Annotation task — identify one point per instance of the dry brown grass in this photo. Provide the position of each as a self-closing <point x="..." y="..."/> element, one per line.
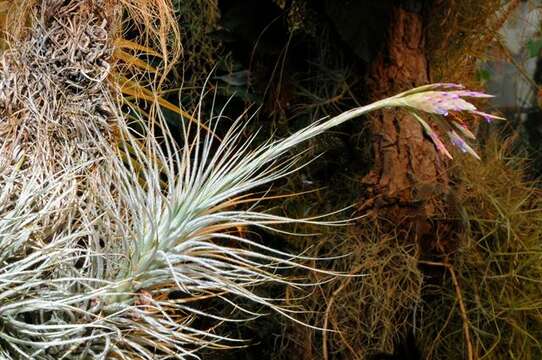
<point x="498" y="266"/>
<point x="368" y="311"/>
<point x="459" y="34"/>
<point x="374" y="310"/>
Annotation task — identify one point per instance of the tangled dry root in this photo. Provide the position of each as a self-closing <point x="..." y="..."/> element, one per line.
<point x="53" y="89"/>
<point x="56" y="110"/>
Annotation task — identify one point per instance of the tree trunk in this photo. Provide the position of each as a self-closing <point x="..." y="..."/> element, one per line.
<point x="408" y="181"/>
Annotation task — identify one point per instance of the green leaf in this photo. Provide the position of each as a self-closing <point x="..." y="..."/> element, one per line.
<point x="483" y="75"/>
<point x="534" y="46"/>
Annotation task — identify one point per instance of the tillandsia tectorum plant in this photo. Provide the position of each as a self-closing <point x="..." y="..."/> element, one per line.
<point x="110" y="235"/>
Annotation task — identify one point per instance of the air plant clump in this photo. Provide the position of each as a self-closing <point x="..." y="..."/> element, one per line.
<point x="110" y="235"/>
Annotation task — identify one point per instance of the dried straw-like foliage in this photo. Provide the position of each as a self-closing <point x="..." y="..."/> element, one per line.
<point x="498" y="268"/>
<point x="55" y="113"/>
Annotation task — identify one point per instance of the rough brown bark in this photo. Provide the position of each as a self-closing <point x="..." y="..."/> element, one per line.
<point x="408" y="180"/>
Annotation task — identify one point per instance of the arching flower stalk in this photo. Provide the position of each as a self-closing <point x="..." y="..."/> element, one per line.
<point x="111" y="239"/>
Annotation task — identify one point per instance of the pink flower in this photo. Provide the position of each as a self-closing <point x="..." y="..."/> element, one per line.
<point x="436" y="99"/>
